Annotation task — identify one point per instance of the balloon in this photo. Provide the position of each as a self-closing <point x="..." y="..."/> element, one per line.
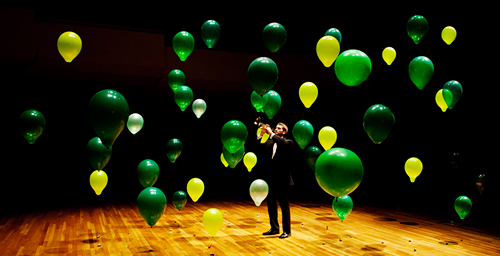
<point x="262" y="75"/>
<point x="234" y="135"/>
<point x="302" y="132"/>
<point x="417" y="27"/>
<point x="108" y="111"/>
<point x="463" y="206"/>
<point x="148" y="172"/>
<point x="338" y="171"/>
<point x="335" y="33"/>
<point x="421" y="70"/>
<point x="378" y="122"/>
<point x="258" y="101"/>
<point x="176" y="78"/>
<point x="389" y="54"/>
<point x="212" y="221"/>
<point x="327" y="137"/>
<point x="98" y="181"/>
<point x="183" y="96"/>
<point x="199" y="107"/>
<point x="183" y="44"/>
<point x="135" y="123"/>
<point x="98" y="154"/>
<point x="174" y="149"/>
<point x="273" y="104"/>
<point x="413" y="168"/>
<point x="342" y="206"/>
<point x="233" y="159"/>
<point x="274" y="36"/>
<point x="258" y="191"/>
<point x="353" y="67"/>
<point x="311" y="155"/>
<point x="31" y="125"/>
<point x="151" y="203"/>
<point x="250" y="160"/>
<point x="210" y="32"/>
<point x="449" y="34"/>
<point x="264" y="138"/>
<point x="481" y="183"/>
<point x="452" y="91"/>
<point x="69" y="45"/>
<point x="195" y="188"/>
<point x="440" y="100"/>
<point x="179" y="199"/>
<point x="223" y="160"/>
<point x="327" y="49"/>
<point x="308" y="93"/>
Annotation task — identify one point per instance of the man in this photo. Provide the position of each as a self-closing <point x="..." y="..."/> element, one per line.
<point x="276" y="154"/>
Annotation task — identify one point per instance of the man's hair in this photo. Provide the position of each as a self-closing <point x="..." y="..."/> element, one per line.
<point x="285" y="128"/>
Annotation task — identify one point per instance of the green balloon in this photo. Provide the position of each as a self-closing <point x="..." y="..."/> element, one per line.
<point x="233" y="159"/>
<point x="179" y="199"/>
<point x="378" y="122"/>
<point x="342" y="206"/>
<point x="108" y="114"/>
<point x="274" y="36"/>
<point x="463" y="206"/>
<point x="183" y="44"/>
<point x="98" y="154"/>
<point x="417" y="27"/>
<point x="176" y="78"/>
<point x="338" y="171"/>
<point x="421" y="70"/>
<point x="183" y="96"/>
<point x="258" y="101"/>
<point x="148" y="172"/>
<point x="174" y="149"/>
<point x="151" y="203"/>
<point x="31" y="125"/>
<point x="311" y="155"/>
<point x="335" y="33"/>
<point x="262" y="75"/>
<point x="452" y="91"/>
<point x="210" y="32"/>
<point x="353" y="67"/>
<point x="302" y="133"/>
<point x="273" y="104"/>
<point x="233" y="135"/>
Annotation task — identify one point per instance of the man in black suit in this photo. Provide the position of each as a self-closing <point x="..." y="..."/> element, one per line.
<point x="275" y="156"/>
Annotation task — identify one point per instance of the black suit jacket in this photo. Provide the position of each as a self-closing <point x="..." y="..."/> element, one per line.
<point x="276" y="170"/>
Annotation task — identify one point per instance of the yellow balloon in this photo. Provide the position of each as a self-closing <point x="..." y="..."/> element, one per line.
<point x="413" y="168"/>
<point x="327" y="137"/>
<point x="250" y="160"/>
<point x="212" y="221"/>
<point x="223" y="160"/>
<point x="328" y="49"/>
<point x="308" y="93"/>
<point x="389" y="54"/>
<point x="449" y="34"/>
<point x="98" y="181"/>
<point x="440" y="100"/>
<point x="69" y="45"/>
<point x="264" y="138"/>
<point x="195" y="188"/>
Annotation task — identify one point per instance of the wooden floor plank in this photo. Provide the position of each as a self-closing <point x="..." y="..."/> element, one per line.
<point x="118" y="229"/>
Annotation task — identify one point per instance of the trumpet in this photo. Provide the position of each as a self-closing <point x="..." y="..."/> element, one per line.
<point x="258" y="122"/>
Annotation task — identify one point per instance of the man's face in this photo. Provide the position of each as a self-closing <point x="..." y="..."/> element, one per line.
<point x="279" y="130"/>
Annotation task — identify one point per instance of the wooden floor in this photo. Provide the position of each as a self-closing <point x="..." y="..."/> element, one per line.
<point x="118" y="229"/>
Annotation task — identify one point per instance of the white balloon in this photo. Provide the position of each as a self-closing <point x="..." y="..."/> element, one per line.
<point x="258" y="191"/>
<point x="199" y="107"/>
<point x="135" y="123"/>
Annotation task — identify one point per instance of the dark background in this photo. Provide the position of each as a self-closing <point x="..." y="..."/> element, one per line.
<point x="455" y="146"/>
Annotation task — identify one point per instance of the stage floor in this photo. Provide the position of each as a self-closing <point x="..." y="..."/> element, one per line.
<point x="118" y="229"/>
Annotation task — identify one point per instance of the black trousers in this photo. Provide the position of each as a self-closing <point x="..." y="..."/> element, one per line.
<point x="278" y="196"/>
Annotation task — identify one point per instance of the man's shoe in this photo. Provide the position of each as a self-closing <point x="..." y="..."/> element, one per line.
<point x="271" y="232"/>
<point x="285" y="235"/>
